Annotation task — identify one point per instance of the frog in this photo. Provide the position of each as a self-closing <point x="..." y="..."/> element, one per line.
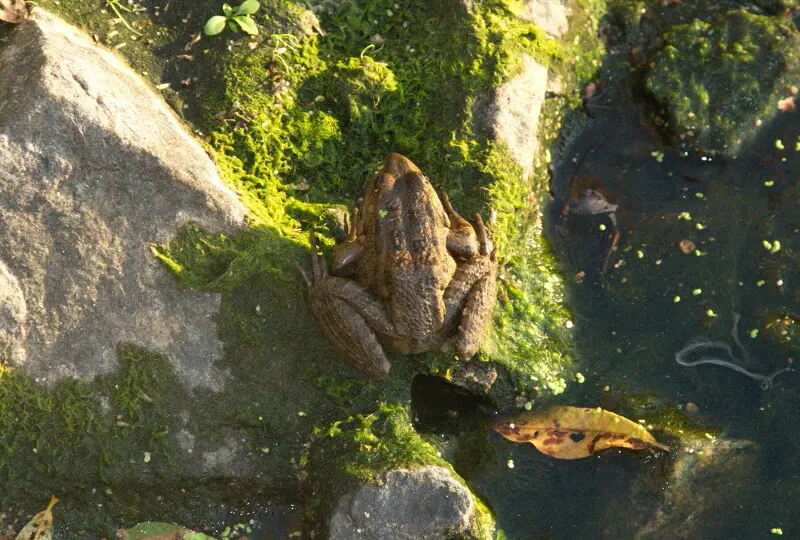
<point x="411" y="276"/>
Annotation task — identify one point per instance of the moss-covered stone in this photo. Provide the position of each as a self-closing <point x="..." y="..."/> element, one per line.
<point x="719" y="79"/>
<point x="351" y="452"/>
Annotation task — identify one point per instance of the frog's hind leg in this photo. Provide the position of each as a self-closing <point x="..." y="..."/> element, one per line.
<point x="469" y="300"/>
<point x="477" y="313"/>
<point x="342" y="308"/>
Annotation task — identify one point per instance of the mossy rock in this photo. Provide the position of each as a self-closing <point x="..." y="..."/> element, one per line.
<point x="356" y="451"/>
<point x="719" y="79"/>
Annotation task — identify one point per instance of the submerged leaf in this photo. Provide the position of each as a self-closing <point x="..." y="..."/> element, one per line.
<point x="40" y="527"/>
<point x="153" y="530"/>
<point x="575" y="432"/>
<point x="13" y="11"/>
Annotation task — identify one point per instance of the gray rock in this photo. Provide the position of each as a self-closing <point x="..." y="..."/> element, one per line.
<point x="477" y="377"/>
<point x="95" y="168"/>
<point x="512" y="114"/>
<point x="13" y="317"/>
<point x="413" y="504"/>
<point x="550" y="15"/>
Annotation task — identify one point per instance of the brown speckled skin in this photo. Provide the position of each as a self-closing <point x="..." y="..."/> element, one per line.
<point x="411" y="274"/>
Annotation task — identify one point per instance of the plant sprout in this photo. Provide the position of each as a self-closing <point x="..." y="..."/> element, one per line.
<point x="235" y="19"/>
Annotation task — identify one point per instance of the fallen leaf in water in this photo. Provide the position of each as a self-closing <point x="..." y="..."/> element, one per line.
<point x="13" y="11"/>
<point x="40" y="527"/>
<point x="565" y="432"/>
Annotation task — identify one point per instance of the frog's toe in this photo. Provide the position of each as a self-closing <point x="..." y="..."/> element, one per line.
<point x="484" y="240"/>
<point x="319" y="268"/>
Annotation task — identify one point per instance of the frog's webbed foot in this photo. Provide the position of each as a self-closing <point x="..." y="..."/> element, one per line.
<point x="461" y="240"/>
<point x="342" y="308"/>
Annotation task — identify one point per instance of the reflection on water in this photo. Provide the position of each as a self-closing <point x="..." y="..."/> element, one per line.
<point x="662" y="249"/>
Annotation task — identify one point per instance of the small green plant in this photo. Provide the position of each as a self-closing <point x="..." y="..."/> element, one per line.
<point x="234" y="18"/>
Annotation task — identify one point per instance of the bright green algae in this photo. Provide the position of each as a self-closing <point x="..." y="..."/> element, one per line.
<point x="297" y="124"/>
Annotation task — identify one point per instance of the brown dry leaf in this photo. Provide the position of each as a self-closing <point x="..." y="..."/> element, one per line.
<point x="40" y="527"/>
<point x="13" y="11"/>
<point x="575" y="432"/>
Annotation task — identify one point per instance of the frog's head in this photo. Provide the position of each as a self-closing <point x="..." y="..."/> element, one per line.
<point x="400" y="175"/>
<point x="398" y="165"/>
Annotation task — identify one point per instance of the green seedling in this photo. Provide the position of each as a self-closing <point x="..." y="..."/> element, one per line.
<point x="235" y="19"/>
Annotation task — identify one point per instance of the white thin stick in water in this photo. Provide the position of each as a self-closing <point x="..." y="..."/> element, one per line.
<point x="733" y="363"/>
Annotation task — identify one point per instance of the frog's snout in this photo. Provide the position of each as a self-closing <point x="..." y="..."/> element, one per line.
<point x="398" y="165"/>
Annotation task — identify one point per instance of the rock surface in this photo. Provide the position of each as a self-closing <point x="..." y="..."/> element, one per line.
<point x="413" y="504"/>
<point x="551" y="15"/>
<point x="512" y="114"/>
<point x="706" y="488"/>
<point x="95" y="168"/>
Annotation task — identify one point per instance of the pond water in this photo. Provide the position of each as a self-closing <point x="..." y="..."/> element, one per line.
<point x="661" y="247"/>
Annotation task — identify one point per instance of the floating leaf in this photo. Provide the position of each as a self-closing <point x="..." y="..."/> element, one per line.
<point x="574" y="432"/>
<point x="13" y="11"/>
<point x="40" y="527"/>
<point x="214" y="25"/>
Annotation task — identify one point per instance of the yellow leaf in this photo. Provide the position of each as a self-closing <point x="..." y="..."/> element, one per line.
<point x="575" y="432"/>
<point x="40" y="527"/>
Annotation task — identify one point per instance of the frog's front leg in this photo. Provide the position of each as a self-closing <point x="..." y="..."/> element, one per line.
<point x="462" y="242"/>
<point x="350" y="317"/>
<point x="470" y="297"/>
<point x="347" y="254"/>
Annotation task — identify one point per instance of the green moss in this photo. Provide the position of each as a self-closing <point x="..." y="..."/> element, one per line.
<point x="719" y="79"/>
<point x="86" y="443"/>
<point x="665" y="417"/>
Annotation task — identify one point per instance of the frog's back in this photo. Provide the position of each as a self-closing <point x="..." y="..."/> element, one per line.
<point x="409" y="265"/>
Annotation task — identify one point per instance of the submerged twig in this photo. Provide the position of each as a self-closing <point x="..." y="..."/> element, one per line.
<point x="698" y="345"/>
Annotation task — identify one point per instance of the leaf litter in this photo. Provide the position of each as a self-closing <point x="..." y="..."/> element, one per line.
<point x="566" y="432"/>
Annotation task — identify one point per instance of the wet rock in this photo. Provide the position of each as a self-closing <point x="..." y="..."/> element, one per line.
<point x="719" y="80"/>
<point x="707" y="485"/>
<point x="511" y="114"/>
<point x="95" y="169"/>
<point x="550" y="15"/>
<point x="407" y="504"/>
<point x="475" y="377"/>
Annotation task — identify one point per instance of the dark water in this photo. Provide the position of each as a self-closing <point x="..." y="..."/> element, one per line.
<point x="622" y="202"/>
